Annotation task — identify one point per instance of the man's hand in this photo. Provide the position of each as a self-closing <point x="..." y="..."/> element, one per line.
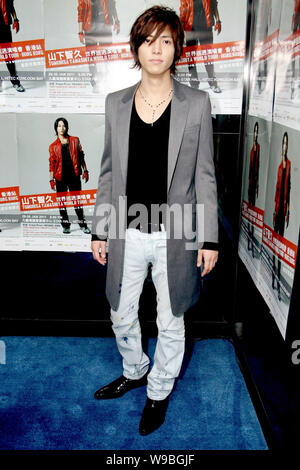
<point x="16" y="25"/>
<point x="85" y="176"/>
<point x="209" y="257"/>
<point x="99" y="251"/>
<point x="81" y="37"/>
<point x="218" y="27"/>
<point x="117" y="26"/>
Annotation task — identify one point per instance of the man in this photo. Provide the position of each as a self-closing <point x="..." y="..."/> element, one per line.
<point x="295" y="30"/>
<point x="262" y="32"/>
<point x="95" y="20"/>
<point x="8" y="17"/>
<point x="66" y="164"/>
<point x="198" y="18"/>
<point x="158" y="153"/>
<point x="253" y="183"/>
<point x="281" y="214"/>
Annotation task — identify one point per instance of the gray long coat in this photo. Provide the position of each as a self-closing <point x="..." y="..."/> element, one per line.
<point x="191" y="180"/>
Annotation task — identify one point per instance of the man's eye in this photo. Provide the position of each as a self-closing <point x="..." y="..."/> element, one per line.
<point x="147" y="40"/>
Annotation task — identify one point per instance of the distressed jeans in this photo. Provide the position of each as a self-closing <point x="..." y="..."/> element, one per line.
<point x="140" y="250"/>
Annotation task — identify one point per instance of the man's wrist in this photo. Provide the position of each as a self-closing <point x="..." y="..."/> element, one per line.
<point x="98" y="238"/>
<point x="209" y="246"/>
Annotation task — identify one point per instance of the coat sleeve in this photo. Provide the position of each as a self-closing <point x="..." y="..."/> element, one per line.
<point x="80" y="154"/>
<point x="80" y="10"/>
<point x="205" y="181"/>
<point x="288" y="188"/>
<point x="258" y="164"/>
<point x="214" y="7"/>
<point x="183" y="12"/>
<point x="102" y="209"/>
<point x="52" y="158"/>
<point x="113" y="9"/>
<point x="277" y="188"/>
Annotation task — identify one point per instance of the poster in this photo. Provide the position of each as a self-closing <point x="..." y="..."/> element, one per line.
<point x="10" y="221"/>
<point x="81" y="69"/>
<point x="213" y="58"/>
<point x="254" y="194"/>
<point x="22" y="58"/>
<point x="264" y="57"/>
<point x="58" y="216"/>
<point x="287" y="91"/>
<point x="281" y="223"/>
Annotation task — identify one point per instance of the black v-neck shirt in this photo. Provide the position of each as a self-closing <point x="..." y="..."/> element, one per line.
<point x="147" y="173"/>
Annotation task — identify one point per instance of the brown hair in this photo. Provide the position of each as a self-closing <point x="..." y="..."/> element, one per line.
<point x="156" y="17"/>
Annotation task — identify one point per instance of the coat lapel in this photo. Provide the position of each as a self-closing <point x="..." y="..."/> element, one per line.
<point x="123" y="127"/>
<point x="179" y="112"/>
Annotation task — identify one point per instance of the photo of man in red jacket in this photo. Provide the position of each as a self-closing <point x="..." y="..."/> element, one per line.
<point x="198" y="18"/>
<point x="281" y="214"/>
<point x="262" y="32"/>
<point x="295" y="30"/>
<point x="8" y="18"/>
<point x="253" y="183"/>
<point x="96" y="19"/>
<point x="66" y="163"/>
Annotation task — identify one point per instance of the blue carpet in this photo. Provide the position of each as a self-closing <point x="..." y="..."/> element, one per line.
<point x="46" y="399"/>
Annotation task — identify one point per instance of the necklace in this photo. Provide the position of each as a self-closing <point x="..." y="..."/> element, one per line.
<point x="152" y="106"/>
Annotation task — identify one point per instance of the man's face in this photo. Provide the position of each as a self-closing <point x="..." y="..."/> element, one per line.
<point x="255" y="133"/>
<point x="61" y="128"/>
<point x="284" y="146"/>
<point x="157" y="57"/>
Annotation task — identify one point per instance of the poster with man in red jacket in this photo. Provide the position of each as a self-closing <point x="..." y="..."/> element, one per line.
<point x="58" y="174"/>
<point x="97" y="19"/>
<point x="87" y="51"/>
<point x="200" y="18"/>
<point x="287" y="91"/>
<point x="254" y="193"/>
<point x="22" y="55"/>
<point x="10" y="220"/>
<point x="214" y="52"/>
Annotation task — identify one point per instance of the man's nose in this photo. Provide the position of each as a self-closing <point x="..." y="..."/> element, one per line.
<point x="156" y="47"/>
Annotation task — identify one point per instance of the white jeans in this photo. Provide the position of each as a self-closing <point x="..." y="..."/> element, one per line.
<point x="141" y="249"/>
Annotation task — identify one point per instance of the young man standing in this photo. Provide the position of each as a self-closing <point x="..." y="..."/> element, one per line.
<point x="66" y="165"/>
<point x="253" y="183"/>
<point x="158" y="153"/>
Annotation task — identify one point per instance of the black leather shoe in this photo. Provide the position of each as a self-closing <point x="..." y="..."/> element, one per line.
<point x="119" y="387"/>
<point x="153" y="415"/>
